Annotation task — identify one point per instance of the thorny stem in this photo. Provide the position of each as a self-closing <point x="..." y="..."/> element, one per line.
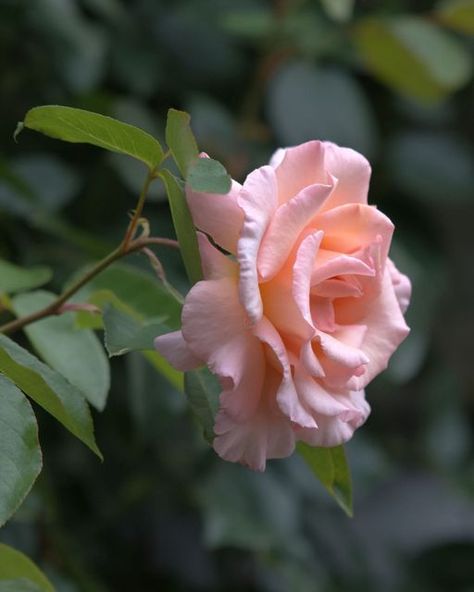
<point x="132" y="246"/>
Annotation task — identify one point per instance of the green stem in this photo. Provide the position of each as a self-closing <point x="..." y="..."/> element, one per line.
<point x="138" y="210"/>
<point x="54" y="308"/>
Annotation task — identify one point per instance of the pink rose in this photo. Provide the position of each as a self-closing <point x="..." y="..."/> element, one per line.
<point x="303" y="314"/>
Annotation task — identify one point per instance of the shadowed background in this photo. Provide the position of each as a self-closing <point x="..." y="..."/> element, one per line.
<point x="391" y="79"/>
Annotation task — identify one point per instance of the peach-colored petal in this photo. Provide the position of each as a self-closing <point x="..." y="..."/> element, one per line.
<point x="302" y="269"/>
<point x="329" y="264"/>
<point x="267" y="434"/>
<point x="258" y="200"/>
<point x="286" y="395"/>
<point x="174" y="348"/>
<point x="215" y="327"/>
<point x="352" y="172"/>
<point x="316" y="397"/>
<point x="352" y="227"/>
<point x="386" y="329"/>
<point x="289" y="221"/>
<point x="300" y="167"/>
<point x="215" y="265"/>
<point x="401" y="285"/>
<point x="336" y="430"/>
<point x="217" y="215"/>
<point x="336" y="349"/>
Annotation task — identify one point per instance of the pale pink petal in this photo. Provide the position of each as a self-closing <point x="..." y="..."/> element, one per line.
<point x="353" y="227"/>
<point x="317" y="398"/>
<point x="302" y="270"/>
<point x="268" y="434"/>
<point x="289" y="221"/>
<point x="215" y="265"/>
<point x="401" y="285"/>
<point x="277" y="157"/>
<point x="287" y="396"/>
<point x="217" y="215"/>
<point x="176" y="351"/>
<point x="281" y="309"/>
<point x="336" y="430"/>
<point x="338" y="375"/>
<point x="300" y="166"/>
<point x="322" y="313"/>
<point x="329" y="264"/>
<point x="351" y="170"/>
<point x="386" y="329"/>
<point x="334" y="347"/>
<point x="258" y="200"/>
<point x="216" y="329"/>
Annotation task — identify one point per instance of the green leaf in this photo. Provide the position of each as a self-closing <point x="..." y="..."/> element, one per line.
<point x="209" y="175"/>
<point x="19" y="585"/>
<point x="14" y="565"/>
<point x="139" y="295"/>
<point x="133" y="290"/>
<point x="20" y="453"/>
<point x="338" y="10"/>
<point x="76" y="354"/>
<point x="202" y="390"/>
<point x="17" y="279"/>
<point x="49" y="389"/>
<point x="180" y="140"/>
<point x="413" y="56"/>
<point x="79" y="126"/>
<point x="123" y="333"/>
<point x="307" y="102"/>
<point x="331" y="468"/>
<point x="184" y="227"/>
<point x="457" y="14"/>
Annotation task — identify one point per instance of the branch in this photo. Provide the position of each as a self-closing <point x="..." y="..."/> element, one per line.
<point x="54" y="308"/>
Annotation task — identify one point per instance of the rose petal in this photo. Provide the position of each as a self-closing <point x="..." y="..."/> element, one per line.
<point x="386" y="329"/>
<point x="336" y="430"/>
<point x="215" y="265"/>
<point x="401" y="285"/>
<point x="216" y="329"/>
<point x="300" y="167"/>
<point x="352" y="227"/>
<point x="217" y="215"/>
<point x="267" y="434"/>
<point x="258" y="200"/>
<point x="289" y="221"/>
<point x="287" y="396"/>
<point x="174" y="348"/>
<point x="352" y="172"/>
<point x="302" y="270"/>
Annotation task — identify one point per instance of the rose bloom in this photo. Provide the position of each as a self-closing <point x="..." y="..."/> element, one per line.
<point x="305" y="310"/>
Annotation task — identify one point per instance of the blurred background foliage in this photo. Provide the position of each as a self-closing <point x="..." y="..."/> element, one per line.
<point x="392" y="79"/>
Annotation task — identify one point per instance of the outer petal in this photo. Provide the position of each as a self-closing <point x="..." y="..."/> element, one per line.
<point x="300" y="167"/>
<point x="216" y="329"/>
<point x="287" y="224"/>
<point x="386" y="329"/>
<point x="215" y="265"/>
<point x="267" y="434"/>
<point x="351" y="170"/>
<point x="401" y="285"/>
<point x="258" y="200"/>
<point x="174" y="348"/>
<point x="336" y="430"/>
<point x="217" y="215"/>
